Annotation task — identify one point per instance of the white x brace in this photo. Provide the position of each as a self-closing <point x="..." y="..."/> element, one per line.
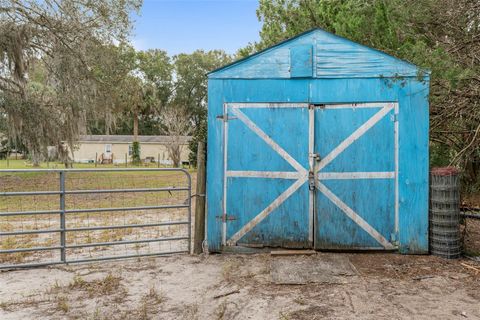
<point x="301" y="174"/>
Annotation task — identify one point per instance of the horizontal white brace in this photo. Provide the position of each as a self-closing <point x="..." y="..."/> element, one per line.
<point x="357" y="105"/>
<point x="355" y="175"/>
<point x="266" y="105"/>
<point x="265" y="174"/>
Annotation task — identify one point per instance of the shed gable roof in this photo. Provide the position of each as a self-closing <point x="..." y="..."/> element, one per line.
<point x="333" y="57"/>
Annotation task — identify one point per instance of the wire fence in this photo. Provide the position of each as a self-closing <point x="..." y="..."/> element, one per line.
<point x="95" y="160"/>
<point x="78" y="215"/>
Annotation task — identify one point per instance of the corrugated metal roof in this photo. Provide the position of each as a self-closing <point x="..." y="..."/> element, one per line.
<point x="129" y="139"/>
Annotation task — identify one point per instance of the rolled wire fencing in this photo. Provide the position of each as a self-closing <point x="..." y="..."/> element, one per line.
<point x="445" y="236"/>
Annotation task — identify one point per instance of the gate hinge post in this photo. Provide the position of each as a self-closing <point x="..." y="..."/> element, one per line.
<point x="63" y="250"/>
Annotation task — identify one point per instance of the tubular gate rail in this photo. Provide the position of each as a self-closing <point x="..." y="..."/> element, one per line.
<point x="50" y="216"/>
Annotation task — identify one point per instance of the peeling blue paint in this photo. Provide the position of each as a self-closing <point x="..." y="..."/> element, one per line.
<point x="341" y="72"/>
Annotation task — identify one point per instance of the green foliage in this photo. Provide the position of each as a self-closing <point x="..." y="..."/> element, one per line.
<point x="437" y="35"/>
<point x="191" y="89"/>
<point x="199" y="135"/>
<point x="440" y="155"/>
<point x="55" y="67"/>
<point x="166" y="82"/>
<point x="136" y="153"/>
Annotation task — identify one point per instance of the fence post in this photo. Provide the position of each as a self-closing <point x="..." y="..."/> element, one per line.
<point x="200" y="200"/>
<point x="126" y="161"/>
<point x="96" y="157"/>
<point x="158" y="161"/>
<point x="62" y="216"/>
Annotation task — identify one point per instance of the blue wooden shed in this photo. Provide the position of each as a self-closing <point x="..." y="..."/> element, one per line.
<point x="318" y="142"/>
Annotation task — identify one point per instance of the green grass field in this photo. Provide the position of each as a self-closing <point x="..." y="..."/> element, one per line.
<point x="25" y="164"/>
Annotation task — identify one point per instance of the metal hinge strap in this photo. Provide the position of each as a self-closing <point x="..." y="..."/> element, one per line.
<point x="225" y="117"/>
<point x="226" y="217"/>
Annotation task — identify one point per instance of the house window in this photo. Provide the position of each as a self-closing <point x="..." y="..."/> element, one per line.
<point x="108" y="148"/>
<point x="130" y="149"/>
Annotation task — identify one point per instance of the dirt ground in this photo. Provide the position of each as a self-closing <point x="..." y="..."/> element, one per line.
<point x="472" y="237"/>
<point x="241" y="287"/>
<point x="227" y="286"/>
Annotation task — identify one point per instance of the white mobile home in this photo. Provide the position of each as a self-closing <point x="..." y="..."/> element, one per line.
<point x="119" y="147"/>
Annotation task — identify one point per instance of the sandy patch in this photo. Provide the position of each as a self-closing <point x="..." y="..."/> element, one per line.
<point x="188" y="287"/>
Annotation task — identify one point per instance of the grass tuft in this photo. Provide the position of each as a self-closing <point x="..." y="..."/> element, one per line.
<point x="62" y="304"/>
<point x="106" y="286"/>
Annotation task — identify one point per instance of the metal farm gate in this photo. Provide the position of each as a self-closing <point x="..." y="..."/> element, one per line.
<point x="311" y="176"/>
<point x="52" y="217"/>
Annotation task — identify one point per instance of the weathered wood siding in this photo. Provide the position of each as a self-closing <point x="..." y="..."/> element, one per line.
<point x="333" y="57"/>
<point x="343" y="72"/>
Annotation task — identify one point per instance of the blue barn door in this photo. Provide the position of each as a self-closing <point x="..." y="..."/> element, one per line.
<point x="355" y="170"/>
<point x="267" y="201"/>
<point x="303" y="176"/>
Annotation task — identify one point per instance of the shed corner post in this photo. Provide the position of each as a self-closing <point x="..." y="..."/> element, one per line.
<point x="214" y="165"/>
<point x="414" y="172"/>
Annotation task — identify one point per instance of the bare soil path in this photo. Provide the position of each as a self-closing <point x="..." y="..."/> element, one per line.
<point x="241" y="287"/>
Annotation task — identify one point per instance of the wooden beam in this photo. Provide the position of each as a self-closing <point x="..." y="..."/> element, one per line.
<point x="199" y="235"/>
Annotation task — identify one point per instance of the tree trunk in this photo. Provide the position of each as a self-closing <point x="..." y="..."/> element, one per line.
<point x="472" y="169"/>
<point x="174" y="153"/>
<point x="135" y="124"/>
<point x="135" y="145"/>
<point x="35" y="158"/>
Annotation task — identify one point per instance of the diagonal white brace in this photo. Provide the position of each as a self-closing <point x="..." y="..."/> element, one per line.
<point x="354" y="216"/>
<point x="265" y="212"/>
<point x="354" y="136"/>
<point x="249" y="123"/>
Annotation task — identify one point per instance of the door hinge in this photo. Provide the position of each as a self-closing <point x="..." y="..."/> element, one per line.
<point x="315" y="156"/>
<point x="394" y="238"/>
<point x="316" y="105"/>
<point x="225" y="117"/>
<point x="226" y="217"/>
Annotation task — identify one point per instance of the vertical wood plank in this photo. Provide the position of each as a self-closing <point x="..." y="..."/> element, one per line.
<point x="199" y="235"/>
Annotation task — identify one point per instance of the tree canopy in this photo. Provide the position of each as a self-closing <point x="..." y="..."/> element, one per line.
<point x="53" y="63"/>
<point x="166" y="83"/>
<point x="66" y="69"/>
<point x="440" y="35"/>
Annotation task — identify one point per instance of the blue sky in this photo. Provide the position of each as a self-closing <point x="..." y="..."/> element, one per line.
<point x="182" y="26"/>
